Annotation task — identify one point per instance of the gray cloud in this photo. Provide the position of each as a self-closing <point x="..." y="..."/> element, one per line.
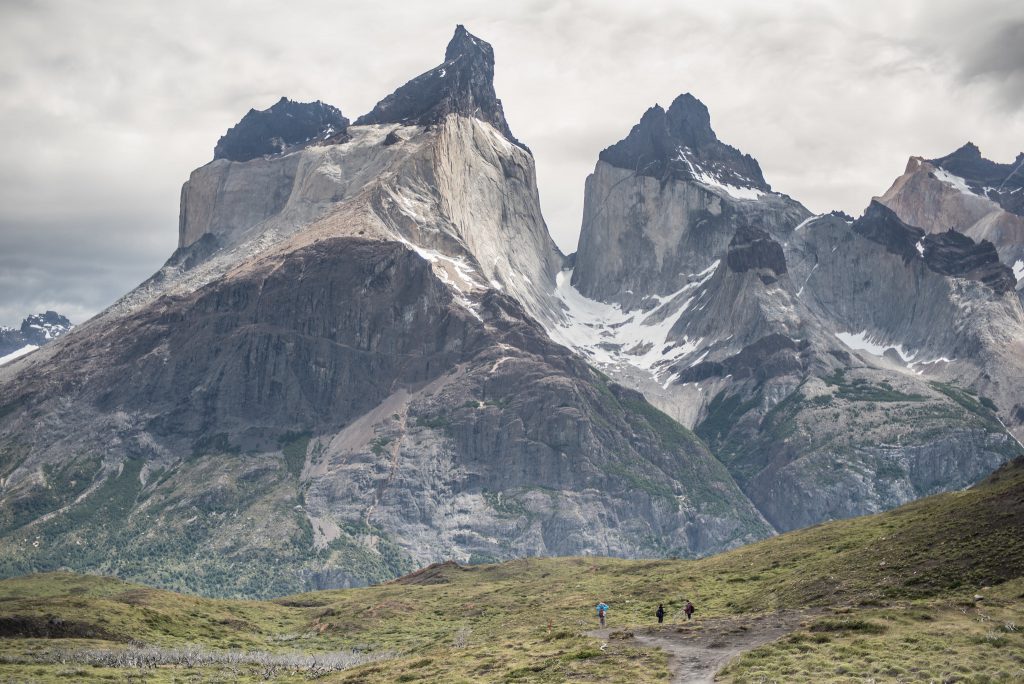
<point x="108" y="106"/>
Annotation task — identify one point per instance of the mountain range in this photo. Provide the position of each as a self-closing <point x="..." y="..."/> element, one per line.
<point x="367" y="354"/>
<point x="35" y="331"/>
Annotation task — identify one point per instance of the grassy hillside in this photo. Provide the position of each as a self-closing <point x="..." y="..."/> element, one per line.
<point x="891" y="596"/>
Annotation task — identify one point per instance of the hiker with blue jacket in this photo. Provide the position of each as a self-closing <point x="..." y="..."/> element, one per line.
<point x="602" y="608"/>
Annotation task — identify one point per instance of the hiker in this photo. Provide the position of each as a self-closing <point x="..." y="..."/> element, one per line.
<point x="660" y="613"/>
<point x="689" y="609"/>
<point x="602" y="608"/>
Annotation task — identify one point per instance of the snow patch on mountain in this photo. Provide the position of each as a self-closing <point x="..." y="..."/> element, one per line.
<point x="17" y="354"/>
<point x="712" y="181"/>
<point x="953" y="180"/>
<point x="863" y="342"/>
<point x="806" y="221"/>
<point x="454" y="272"/>
<point x="613" y="338"/>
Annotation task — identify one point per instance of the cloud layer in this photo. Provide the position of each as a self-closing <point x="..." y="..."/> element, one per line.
<point x="109" y="106"/>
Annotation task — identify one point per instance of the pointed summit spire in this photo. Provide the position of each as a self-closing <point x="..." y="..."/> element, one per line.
<point x="679" y="143"/>
<point x="465" y="44"/>
<point x="463" y="84"/>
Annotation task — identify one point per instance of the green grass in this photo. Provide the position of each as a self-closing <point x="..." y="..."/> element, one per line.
<point x="895" y="592"/>
<point x="939" y="640"/>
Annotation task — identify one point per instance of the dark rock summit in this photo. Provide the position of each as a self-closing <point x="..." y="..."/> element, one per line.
<point x="462" y="84"/>
<point x="273" y="130"/>
<point x="680" y="144"/>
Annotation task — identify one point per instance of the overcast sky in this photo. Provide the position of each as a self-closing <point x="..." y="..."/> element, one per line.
<point x="107" y="106"/>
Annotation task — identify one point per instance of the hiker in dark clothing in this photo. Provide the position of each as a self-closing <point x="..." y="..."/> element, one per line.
<point x="689" y="610"/>
<point x="660" y="613"/>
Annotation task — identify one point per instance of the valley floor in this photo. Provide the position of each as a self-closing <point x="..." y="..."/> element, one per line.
<point x="931" y="592"/>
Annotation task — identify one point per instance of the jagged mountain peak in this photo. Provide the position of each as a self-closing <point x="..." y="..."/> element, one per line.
<point x="679" y="143"/>
<point x="690" y="119"/>
<point x="462" y="84"/>
<point x="284" y="124"/>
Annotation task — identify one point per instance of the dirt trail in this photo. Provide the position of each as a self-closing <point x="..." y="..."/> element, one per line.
<point x="699" y="649"/>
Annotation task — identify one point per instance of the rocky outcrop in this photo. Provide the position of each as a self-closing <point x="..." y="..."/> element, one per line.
<point x="279" y="128"/>
<point x="752" y="248"/>
<point x="771" y="356"/>
<point x="462" y="84"/>
<point x="950" y="253"/>
<point x="884" y="227"/>
<point x="954" y="254"/>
